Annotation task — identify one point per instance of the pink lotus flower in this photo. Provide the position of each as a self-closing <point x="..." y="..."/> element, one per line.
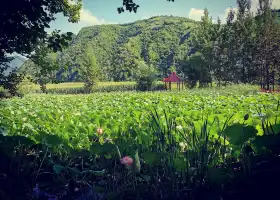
<point x="99" y="131"/>
<point x="126" y="161"/>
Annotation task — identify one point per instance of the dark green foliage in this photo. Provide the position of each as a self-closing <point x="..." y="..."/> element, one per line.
<point x="244" y="50"/>
<point x="161" y="170"/>
<point x="145" y="77"/>
<point x="41" y="66"/>
<point x="23" y="27"/>
<point x="23" y="24"/>
<point x="88" y="69"/>
<point x="10" y="83"/>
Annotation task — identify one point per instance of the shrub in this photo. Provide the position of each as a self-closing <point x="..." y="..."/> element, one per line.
<point x="10" y="83"/>
<point x="145" y="77"/>
<point x="157" y="86"/>
<point x="25" y="86"/>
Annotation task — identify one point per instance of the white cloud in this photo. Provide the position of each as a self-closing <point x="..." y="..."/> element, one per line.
<point x="87" y="17"/>
<point x="196" y="14"/>
<point x="254" y="8"/>
<point x="255" y="5"/>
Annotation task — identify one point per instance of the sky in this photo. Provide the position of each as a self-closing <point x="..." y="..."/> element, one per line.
<point x="97" y="12"/>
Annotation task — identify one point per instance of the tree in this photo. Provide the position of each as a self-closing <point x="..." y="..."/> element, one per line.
<point x="42" y="66"/>
<point x="145" y="76"/>
<point x="245" y="42"/>
<point x="23" y="23"/>
<point x="23" y="27"/>
<point x="88" y="69"/>
<point x="201" y="64"/>
<point x="267" y="48"/>
<point x="229" y="55"/>
<point x="192" y="67"/>
<point x="218" y="51"/>
<point x="10" y="82"/>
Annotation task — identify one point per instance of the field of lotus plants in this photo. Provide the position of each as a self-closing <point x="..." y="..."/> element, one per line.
<point x="136" y="145"/>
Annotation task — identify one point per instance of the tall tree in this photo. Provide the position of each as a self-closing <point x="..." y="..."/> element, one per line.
<point x="202" y="41"/>
<point x="229" y="51"/>
<point x="245" y="41"/>
<point x="42" y="66"/>
<point x="268" y="41"/>
<point x="88" y="69"/>
<point x="218" y="52"/>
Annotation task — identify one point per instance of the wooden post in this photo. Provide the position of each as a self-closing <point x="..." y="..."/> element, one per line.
<point x="169" y="85"/>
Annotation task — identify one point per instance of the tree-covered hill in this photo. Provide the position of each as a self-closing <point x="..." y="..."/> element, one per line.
<point x="119" y="48"/>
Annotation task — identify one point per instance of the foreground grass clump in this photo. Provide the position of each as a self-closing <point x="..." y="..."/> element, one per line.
<point x="197" y="144"/>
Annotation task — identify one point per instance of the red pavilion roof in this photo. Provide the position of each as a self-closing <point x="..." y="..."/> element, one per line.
<point x="172" y="78"/>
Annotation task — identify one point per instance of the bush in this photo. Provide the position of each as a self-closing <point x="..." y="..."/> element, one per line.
<point x="4" y="93"/>
<point x="10" y="83"/>
<point x="158" y="86"/>
<point x="25" y="86"/>
<point x="144" y="83"/>
<point x="145" y="77"/>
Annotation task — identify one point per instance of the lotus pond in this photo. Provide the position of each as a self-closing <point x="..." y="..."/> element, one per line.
<point x="75" y="118"/>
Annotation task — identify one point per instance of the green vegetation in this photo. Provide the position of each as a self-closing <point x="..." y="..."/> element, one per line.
<point x="200" y="134"/>
<point x="23" y="26"/>
<point x="145" y="77"/>
<point x="56" y="114"/>
<point x="88" y="70"/>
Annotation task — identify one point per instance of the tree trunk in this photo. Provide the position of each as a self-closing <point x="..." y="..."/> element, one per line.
<point x="267" y="77"/>
<point x="273" y="81"/>
<point x="43" y="87"/>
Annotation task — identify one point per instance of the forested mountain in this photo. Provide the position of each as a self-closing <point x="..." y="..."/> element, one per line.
<point x="119" y="48"/>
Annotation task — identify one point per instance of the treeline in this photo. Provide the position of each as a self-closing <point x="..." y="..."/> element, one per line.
<point x="245" y="49"/>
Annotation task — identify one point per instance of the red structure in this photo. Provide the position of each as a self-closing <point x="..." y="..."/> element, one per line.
<point x="173" y="78"/>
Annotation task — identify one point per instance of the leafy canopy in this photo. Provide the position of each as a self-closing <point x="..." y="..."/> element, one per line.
<point x="23" y="24"/>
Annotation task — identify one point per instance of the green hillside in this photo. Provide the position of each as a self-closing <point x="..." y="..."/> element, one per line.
<point x="118" y="48"/>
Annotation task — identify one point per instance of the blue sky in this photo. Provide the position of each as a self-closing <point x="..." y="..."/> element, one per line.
<point x="96" y="12"/>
